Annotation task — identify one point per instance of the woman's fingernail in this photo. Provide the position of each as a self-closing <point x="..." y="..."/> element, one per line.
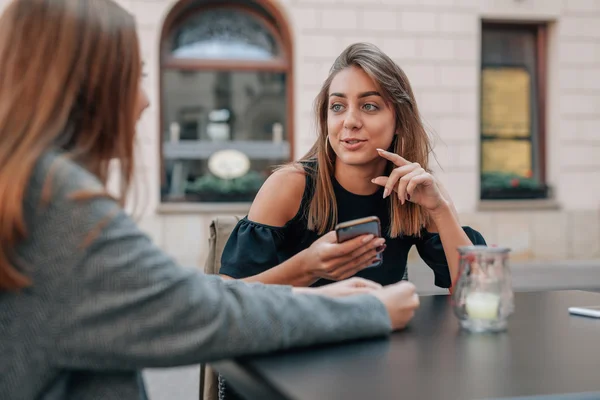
<point x="380" y="150"/>
<point x="368" y="238"/>
<point x="386" y="193"/>
<point x="380" y="242"/>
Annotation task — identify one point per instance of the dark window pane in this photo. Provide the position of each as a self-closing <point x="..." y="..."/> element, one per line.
<point x="513" y="46"/>
<point x="224" y="105"/>
<point x="224" y="34"/>
<point x="206" y="112"/>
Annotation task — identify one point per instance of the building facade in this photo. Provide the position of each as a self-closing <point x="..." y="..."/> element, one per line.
<point x="509" y="90"/>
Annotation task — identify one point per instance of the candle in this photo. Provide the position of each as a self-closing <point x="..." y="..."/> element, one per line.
<point x="482" y="305"/>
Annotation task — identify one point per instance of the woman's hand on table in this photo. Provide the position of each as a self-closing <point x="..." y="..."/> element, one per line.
<point x="400" y="300"/>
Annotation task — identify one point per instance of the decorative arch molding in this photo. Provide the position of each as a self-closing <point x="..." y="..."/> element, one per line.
<point x="271" y="16"/>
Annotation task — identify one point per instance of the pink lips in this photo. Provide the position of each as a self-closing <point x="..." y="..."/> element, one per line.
<point x="352" y="144"/>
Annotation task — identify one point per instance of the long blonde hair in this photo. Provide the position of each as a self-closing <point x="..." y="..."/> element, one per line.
<point x="411" y="141"/>
<point x="69" y="78"/>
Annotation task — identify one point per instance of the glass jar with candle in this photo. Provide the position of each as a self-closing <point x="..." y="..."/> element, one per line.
<point x="483" y="295"/>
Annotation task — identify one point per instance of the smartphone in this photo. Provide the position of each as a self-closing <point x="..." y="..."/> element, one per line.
<point x="357" y="227"/>
<point x="588" y="311"/>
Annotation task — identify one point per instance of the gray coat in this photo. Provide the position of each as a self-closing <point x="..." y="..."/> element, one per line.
<point x="106" y="303"/>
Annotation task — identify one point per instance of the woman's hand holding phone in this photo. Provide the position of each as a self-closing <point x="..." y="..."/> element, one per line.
<point x="328" y="259"/>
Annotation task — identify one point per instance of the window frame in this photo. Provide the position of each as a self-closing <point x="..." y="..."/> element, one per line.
<point x="279" y="64"/>
<point x="539" y="146"/>
<point x="279" y="28"/>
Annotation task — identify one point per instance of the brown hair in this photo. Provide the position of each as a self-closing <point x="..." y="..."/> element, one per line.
<point x="69" y="78"/>
<point x="411" y="140"/>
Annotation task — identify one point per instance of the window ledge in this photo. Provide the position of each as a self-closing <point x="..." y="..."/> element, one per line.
<point x="518" y="205"/>
<point x="203" y="208"/>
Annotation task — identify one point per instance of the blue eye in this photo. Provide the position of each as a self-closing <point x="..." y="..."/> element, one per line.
<point x="371" y="107"/>
<point x="336" y="107"/>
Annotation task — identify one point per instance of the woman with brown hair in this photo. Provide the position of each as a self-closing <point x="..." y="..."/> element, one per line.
<point x="370" y="159"/>
<point x="86" y="299"/>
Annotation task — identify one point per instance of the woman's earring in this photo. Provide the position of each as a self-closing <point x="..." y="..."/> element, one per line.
<point x="394" y="141"/>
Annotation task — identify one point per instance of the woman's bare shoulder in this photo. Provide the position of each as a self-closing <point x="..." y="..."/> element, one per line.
<point x="278" y="200"/>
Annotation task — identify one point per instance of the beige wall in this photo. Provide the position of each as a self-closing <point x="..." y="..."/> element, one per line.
<point x="437" y="42"/>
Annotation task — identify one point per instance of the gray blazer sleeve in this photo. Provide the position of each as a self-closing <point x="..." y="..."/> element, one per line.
<point x="122" y="303"/>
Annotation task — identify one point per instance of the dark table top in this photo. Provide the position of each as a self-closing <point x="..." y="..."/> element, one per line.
<point x="545" y="352"/>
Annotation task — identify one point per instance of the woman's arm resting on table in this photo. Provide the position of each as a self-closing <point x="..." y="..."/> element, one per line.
<point x="121" y="303"/>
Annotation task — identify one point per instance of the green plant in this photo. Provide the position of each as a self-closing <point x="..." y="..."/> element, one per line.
<point x="249" y="183"/>
<point x="504" y="180"/>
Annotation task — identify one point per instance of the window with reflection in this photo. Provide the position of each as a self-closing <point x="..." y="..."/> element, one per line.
<point x="225" y="94"/>
<point x="513" y="111"/>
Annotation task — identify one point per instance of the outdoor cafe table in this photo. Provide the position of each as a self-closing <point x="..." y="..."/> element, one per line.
<point x="546" y="353"/>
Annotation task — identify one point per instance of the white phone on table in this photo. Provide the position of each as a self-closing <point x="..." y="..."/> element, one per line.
<point x="588" y="311"/>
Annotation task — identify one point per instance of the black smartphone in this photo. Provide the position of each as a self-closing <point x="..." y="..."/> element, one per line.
<point x="357" y="227"/>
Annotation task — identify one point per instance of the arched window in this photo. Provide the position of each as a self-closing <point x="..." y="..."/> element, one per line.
<point x="226" y="100"/>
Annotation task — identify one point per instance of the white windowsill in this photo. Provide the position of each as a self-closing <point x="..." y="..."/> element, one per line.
<point x="203" y="208"/>
<point x="243" y="208"/>
<point x="518" y="205"/>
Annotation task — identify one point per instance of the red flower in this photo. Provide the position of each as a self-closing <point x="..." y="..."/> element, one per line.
<point x="514" y="182"/>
